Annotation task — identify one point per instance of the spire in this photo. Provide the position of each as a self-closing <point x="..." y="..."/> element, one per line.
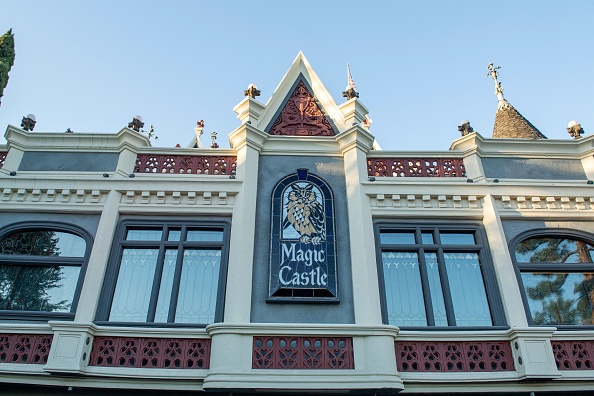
<point x="509" y="123"/>
<point x="350" y="91"/>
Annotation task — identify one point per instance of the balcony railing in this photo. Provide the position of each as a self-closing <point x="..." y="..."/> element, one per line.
<point x="25" y="348"/>
<point x="574" y="355"/>
<point x="185" y="164"/>
<point x="135" y="352"/>
<point x="416" y="167"/>
<point x="3" y="155"/>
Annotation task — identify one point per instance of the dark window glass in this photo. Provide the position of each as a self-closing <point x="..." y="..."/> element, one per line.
<point x="557" y="276"/>
<point x="177" y="280"/>
<point x="40" y="271"/>
<point x="415" y="281"/>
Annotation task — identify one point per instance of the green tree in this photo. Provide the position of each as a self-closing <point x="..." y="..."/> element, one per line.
<point x="7" y="55"/>
<point x="552" y="290"/>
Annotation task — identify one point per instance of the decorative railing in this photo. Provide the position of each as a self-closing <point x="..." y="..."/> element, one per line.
<point x="303" y="353"/>
<point x="574" y="355"/>
<point x="150" y="353"/>
<point x="416" y="167"/>
<point x="25" y="348"/>
<point x="185" y="164"/>
<point x="446" y="356"/>
<point x="3" y="155"/>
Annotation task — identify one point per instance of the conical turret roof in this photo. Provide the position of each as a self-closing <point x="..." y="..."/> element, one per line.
<point x="510" y="124"/>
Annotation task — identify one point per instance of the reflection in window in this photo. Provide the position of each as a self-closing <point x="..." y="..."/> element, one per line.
<point x="40" y="270"/>
<point x="557" y="276"/>
<point x="415" y="281"/>
<point x="176" y="280"/>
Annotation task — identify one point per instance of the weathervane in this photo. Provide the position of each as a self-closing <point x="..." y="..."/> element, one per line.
<point x="494" y="73"/>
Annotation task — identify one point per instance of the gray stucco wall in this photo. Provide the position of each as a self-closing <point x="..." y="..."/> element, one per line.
<point x="513" y="228"/>
<point x="272" y="169"/>
<point x="533" y="168"/>
<point x="66" y="161"/>
<point x="87" y="222"/>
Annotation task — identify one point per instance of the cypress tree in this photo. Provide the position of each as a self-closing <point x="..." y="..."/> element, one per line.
<point x="6" y="58"/>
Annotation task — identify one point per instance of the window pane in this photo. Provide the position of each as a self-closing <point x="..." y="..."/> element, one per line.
<point x="133" y="288"/>
<point x="457" y="238"/>
<point x="560" y="298"/>
<point x="199" y="285"/>
<point x="144" y="235"/>
<point x="467" y="289"/>
<point x="205" y="236"/>
<point x="174" y="235"/>
<point x="398" y="238"/>
<point x="166" y="286"/>
<point x="44" y="243"/>
<point x="439" y="311"/>
<point x="404" y="294"/>
<point x="37" y="288"/>
<point x="427" y="238"/>
<point x="554" y="250"/>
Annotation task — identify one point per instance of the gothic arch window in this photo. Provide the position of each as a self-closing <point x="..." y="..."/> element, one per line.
<point x="41" y="270"/>
<point x="555" y="270"/>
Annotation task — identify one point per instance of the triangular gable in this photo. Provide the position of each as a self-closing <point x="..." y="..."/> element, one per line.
<point x="301" y="71"/>
<point x="300" y="114"/>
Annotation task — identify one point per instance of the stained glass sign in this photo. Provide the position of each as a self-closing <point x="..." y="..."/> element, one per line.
<point x="302" y="248"/>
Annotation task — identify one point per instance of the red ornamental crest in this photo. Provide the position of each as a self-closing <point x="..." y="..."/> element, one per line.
<point x="301" y="116"/>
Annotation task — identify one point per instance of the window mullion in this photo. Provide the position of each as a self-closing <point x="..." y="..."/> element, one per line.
<point x="445" y="287"/>
<point x="426" y="290"/>
<point x="156" y="284"/>
<point x="176" y="281"/>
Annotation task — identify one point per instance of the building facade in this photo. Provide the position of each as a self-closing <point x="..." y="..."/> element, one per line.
<point x="302" y="259"/>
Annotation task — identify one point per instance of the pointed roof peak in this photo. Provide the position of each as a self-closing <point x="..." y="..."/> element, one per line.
<point x="509" y="123"/>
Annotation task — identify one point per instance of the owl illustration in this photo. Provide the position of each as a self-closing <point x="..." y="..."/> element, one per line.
<point x="305" y="213"/>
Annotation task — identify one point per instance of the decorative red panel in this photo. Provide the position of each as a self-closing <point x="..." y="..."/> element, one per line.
<point x="321" y="353"/>
<point x="3" y="155"/>
<point x="150" y="353"/>
<point x="185" y="164"/>
<point x="416" y="167"/>
<point x="445" y="356"/>
<point x="25" y="348"/>
<point x="574" y="355"/>
<point x="301" y="116"/>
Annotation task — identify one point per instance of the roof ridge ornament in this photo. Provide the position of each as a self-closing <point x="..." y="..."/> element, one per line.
<point x="494" y="74"/>
<point x="350" y="91"/>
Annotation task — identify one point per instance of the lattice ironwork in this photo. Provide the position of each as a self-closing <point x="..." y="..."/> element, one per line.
<point x="3" y="155"/>
<point x="416" y="167"/>
<point x="185" y="164"/>
<point x="321" y="353"/>
<point x="25" y="348"/>
<point x="172" y="353"/>
<point x="574" y="355"/>
<point x="445" y="356"/>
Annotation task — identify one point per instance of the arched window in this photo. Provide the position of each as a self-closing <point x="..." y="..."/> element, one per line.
<point x="556" y="274"/>
<point x="41" y="270"/>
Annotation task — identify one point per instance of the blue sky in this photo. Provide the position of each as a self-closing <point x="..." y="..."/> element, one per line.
<point x="420" y="66"/>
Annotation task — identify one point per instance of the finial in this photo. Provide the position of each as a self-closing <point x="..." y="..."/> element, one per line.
<point x="69" y="130"/>
<point x="252" y="91"/>
<point x="574" y="129"/>
<point x="494" y="73"/>
<point x="151" y="133"/>
<point x="350" y="91"/>
<point x="465" y="128"/>
<point x="136" y="123"/>
<point x="213" y="137"/>
<point x="28" y="122"/>
<point x="367" y="123"/>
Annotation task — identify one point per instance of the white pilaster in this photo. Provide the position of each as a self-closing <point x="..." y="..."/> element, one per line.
<point x="354" y="145"/>
<point x="504" y="268"/>
<point x="89" y="296"/>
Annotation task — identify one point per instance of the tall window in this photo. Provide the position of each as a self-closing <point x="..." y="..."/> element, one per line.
<point x="41" y="271"/>
<point x="556" y="273"/>
<point x="437" y="275"/>
<point x="167" y="273"/>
